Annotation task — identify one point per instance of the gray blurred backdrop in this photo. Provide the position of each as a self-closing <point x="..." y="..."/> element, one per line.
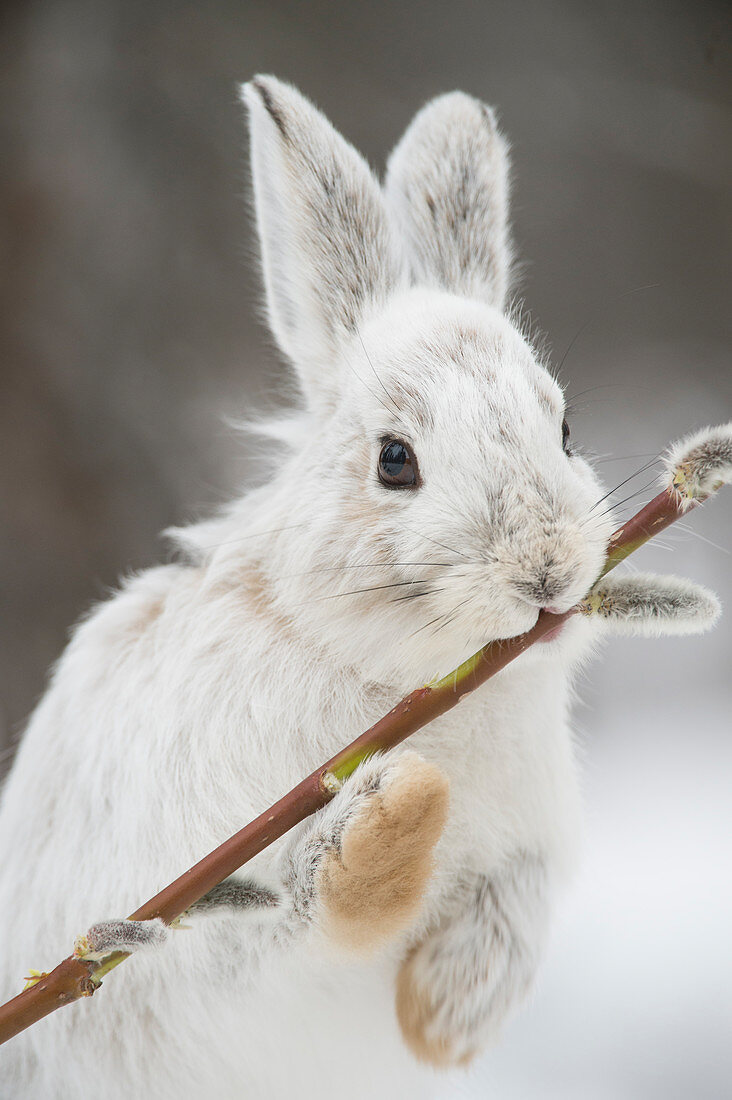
<point x="130" y="331"/>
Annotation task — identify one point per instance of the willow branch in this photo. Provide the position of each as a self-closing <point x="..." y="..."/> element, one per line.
<point x="697" y="467"/>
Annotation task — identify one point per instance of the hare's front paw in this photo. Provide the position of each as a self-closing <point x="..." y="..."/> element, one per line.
<point x="371" y="855"/>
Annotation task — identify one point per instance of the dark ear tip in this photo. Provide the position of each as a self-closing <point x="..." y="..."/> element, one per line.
<point x="262" y="87"/>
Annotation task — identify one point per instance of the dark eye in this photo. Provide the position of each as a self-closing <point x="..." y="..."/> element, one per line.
<point x="565" y="436"/>
<point x="397" y="465"/>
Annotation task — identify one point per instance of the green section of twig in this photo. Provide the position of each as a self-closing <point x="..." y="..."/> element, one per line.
<point x="462" y="673"/>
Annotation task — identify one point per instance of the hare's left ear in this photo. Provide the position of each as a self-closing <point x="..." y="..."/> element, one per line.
<point x="447" y="185"/>
<point x="329" y="252"/>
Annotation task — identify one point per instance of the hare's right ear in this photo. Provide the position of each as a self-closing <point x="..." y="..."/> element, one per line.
<point x="329" y="253"/>
<point x="447" y="185"/>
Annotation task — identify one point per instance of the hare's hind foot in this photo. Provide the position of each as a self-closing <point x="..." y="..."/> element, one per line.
<point x="456" y="988"/>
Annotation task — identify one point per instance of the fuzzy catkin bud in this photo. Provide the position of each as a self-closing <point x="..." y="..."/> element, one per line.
<point x="649" y="605"/>
<point x="700" y="463"/>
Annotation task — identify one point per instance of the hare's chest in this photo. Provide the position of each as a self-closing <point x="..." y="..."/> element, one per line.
<point x="513" y="782"/>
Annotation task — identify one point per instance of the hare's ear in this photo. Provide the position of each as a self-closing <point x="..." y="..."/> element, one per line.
<point x="328" y="250"/>
<point x="447" y="186"/>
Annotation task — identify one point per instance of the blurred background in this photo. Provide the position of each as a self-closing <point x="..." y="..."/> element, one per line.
<point x="130" y="331"/>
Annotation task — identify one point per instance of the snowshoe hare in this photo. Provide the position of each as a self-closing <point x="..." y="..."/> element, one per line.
<point x="424" y="500"/>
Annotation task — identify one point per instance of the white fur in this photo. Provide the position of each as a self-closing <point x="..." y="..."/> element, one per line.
<point x="322" y="271"/>
<point x="447" y="183"/>
<point x="203" y="691"/>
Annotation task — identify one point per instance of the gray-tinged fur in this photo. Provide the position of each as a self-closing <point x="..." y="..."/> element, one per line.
<point x="469" y="973"/>
<point x="447" y="185"/>
<point x="329" y="255"/>
<point x="125" y="935"/>
<point x="651" y="605"/>
<point x="700" y="463"/>
<point x="105" y="937"/>
<point x="235" y="893"/>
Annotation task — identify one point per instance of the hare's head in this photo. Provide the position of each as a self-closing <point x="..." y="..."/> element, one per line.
<point x="438" y="503"/>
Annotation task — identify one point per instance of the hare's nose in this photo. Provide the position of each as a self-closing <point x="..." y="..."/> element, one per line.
<point x="545" y="588"/>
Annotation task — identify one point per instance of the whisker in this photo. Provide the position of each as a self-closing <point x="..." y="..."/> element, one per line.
<point x="375" y="396"/>
<point x="376" y="376"/>
<point x="569" y="401"/>
<point x="437" y="618"/>
<point x="622" y="483"/>
<point x="414" y="595"/>
<point x="595" y="317"/>
<point x="375" y="565"/>
<point x="425" y="625"/>
<point x="442" y="544"/>
<point x="451" y="615"/>
<point x="615" y="508"/>
<point x="691" y="530"/>
<point x="372" y="588"/>
<point x="622" y="458"/>
<point x="253" y="535"/>
<point x="632" y="496"/>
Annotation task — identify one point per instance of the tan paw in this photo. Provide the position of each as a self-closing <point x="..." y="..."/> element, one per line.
<point x="372" y="887"/>
<point x="420" y="1024"/>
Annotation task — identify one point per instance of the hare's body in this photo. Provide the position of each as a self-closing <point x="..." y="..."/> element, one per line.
<point x="429" y="503"/>
<point x="170" y="752"/>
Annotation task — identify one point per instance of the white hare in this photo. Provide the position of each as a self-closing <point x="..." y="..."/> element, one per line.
<point x="423" y="501"/>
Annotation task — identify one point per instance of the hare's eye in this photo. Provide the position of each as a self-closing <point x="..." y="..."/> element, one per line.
<point x="397" y="465"/>
<point x="565" y="436"/>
